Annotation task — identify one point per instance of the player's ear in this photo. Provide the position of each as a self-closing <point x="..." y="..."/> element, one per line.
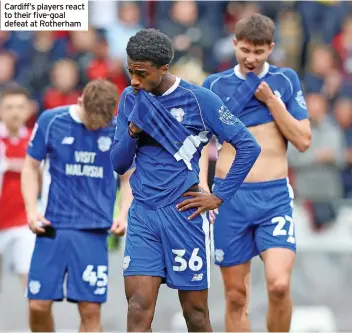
<point x="271" y="47"/>
<point x="164" y="69"/>
<point x="235" y="42"/>
<point x="80" y="100"/>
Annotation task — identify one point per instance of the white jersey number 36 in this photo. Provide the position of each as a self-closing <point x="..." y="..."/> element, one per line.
<point x="195" y="263"/>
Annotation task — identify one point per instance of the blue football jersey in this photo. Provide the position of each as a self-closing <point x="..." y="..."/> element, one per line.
<point x="283" y="81"/>
<point x="159" y="179"/>
<point x="79" y="184"/>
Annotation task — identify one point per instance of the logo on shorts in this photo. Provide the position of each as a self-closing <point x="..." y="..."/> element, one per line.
<point x="197" y="277"/>
<point x="126" y="262"/>
<point x="219" y="255"/>
<point x="104" y="143"/>
<point x="34" y="287"/>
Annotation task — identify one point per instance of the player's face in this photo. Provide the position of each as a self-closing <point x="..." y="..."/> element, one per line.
<point x="144" y="75"/>
<point x="14" y="111"/>
<point x="250" y="57"/>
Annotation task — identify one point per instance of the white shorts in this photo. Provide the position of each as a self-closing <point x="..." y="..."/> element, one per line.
<point x="16" y="245"/>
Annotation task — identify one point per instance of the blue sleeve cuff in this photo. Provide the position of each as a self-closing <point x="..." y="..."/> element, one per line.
<point x="122" y="153"/>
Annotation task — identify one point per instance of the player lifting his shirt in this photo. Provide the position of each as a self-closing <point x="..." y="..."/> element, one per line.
<point x="258" y="220"/>
<point x="168" y="229"/>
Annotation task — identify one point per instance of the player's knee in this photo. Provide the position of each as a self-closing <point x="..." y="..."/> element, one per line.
<point x="278" y="288"/>
<point x="89" y="312"/>
<point x="39" y="307"/>
<point x="140" y="310"/>
<point x="196" y="316"/>
<point x="236" y="299"/>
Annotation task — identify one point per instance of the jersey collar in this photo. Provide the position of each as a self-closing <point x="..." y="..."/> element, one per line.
<point x="261" y="75"/>
<point x="172" y="88"/>
<point x="74" y="114"/>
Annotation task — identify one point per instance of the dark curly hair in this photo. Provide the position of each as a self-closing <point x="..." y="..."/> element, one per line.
<point x="150" y="45"/>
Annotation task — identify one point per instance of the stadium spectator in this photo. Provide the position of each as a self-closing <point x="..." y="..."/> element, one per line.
<point x="64" y="79"/>
<point x="16" y="240"/>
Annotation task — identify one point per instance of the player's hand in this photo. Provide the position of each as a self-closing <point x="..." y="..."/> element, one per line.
<point x="325" y="156"/>
<point x="118" y="228"/>
<point x="212" y="213"/>
<point x="264" y="92"/>
<point x="135" y="129"/>
<point x="37" y="222"/>
<point x="202" y="201"/>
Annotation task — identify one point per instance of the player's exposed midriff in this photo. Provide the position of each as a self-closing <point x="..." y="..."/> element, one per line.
<point x="271" y="163"/>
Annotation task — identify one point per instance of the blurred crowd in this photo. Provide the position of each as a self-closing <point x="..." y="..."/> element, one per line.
<point x="313" y="37"/>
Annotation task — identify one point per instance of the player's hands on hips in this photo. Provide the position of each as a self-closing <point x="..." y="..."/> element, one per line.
<point x="134" y="129"/>
<point x="264" y="92"/>
<point x="214" y="212"/>
<point x="201" y="200"/>
<point x="37" y="222"/>
<point x="118" y="228"/>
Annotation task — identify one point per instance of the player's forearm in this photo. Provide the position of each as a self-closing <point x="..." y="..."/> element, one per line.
<point x="247" y="152"/>
<point x="30" y="187"/>
<point x="294" y="130"/>
<point x="125" y="195"/>
<point x="122" y="153"/>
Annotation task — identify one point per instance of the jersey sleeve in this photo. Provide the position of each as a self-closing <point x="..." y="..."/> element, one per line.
<point x="218" y="118"/>
<point x="39" y="141"/>
<point x="123" y="151"/>
<point x="122" y="121"/>
<point x="296" y="104"/>
<point x="207" y="83"/>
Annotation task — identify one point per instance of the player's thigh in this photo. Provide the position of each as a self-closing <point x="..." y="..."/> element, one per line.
<point x="47" y="268"/>
<point x="143" y="253"/>
<point x="87" y="272"/>
<point x="6" y="238"/>
<point x="22" y="250"/>
<point x="142" y="292"/>
<point x="186" y="246"/>
<point x="278" y="264"/>
<point x="233" y="235"/>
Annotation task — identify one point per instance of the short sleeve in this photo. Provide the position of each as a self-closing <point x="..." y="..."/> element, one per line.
<point x="296" y="104"/>
<point x="207" y="82"/>
<point x="217" y="117"/>
<point x="38" y="143"/>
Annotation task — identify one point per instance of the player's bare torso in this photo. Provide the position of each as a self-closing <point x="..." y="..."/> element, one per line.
<point x="272" y="162"/>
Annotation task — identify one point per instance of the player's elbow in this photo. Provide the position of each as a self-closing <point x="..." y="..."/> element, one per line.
<point x="304" y="143"/>
<point x="256" y="149"/>
<point x="119" y="164"/>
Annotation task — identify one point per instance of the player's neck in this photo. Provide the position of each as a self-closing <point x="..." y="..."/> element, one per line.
<point x="79" y="112"/>
<point x="167" y="82"/>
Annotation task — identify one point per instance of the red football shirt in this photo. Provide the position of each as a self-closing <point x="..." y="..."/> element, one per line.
<point x="12" y="209"/>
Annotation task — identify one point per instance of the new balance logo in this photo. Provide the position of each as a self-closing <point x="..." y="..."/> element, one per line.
<point x="68" y="140"/>
<point x="197" y="277"/>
